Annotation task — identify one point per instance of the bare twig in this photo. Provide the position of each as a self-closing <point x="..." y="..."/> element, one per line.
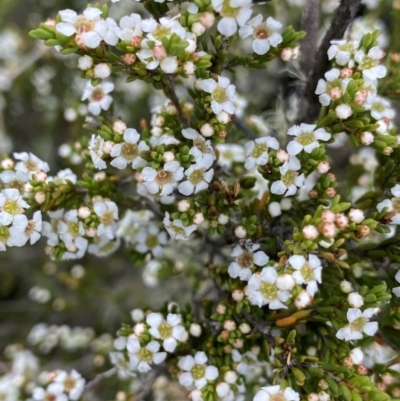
<point x="100" y="377"/>
<point x="244" y="127"/>
<point x="170" y="93"/>
<point x="344" y="15"/>
<point x="309" y="24"/>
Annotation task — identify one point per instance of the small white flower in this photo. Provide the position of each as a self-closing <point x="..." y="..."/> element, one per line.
<point x="332" y="88"/>
<point x="73" y="383"/>
<point x="170" y="331"/>
<point x="96" y="152"/>
<point x="150" y="273"/>
<point x="11" y="205"/>
<point x="128" y="152"/>
<point x="262" y="290"/>
<point x="342" y="51"/>
<point x="151" y="239"/>
<point x="201" y="150"/>
<point x="358" y="323"/>
<point x="196" y="370"/>
<point x="176" y="229"/>
<point x="13" y="235"/>
<point x="164" y="180"/>
<point x="245" y="261"/>
<point x="307" y="271"/>
<point x="129" y="27"/>
<point x="266" y="34"/>
<point x="99" y="98"/>
<point x="107" y="213"/>
<point x="102" y="246"/>
<point x="256" y="151"/>
<point x="54" y="392"/>
<point x="380" y="107"/>
<point x="369" y="64"/>
<point x="272" y="393"/>
<point x="233" y="13"/>
<point x="140" y="358"/>
<point x="357" y="355"/>
<point x="306" y="138"/>
<point x="30" y="163"/>
<point x="230" y="153"/>
<point x="290" y="179"/>
<point x="198" y="180"/>
<point x="222" y="94"/>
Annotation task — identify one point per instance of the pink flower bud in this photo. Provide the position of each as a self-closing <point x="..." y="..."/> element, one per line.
<point x="198" y="218"/>
<point x="159" y="52"/>
<point x="361" y="97"/>
<point x="40" y="197"/>
<point x="7" y="164"/>
<point x="287" y="54"/>
<point x="207" y="19"/>
<point x="129" y="58"/>
<point x="198" y="28"/>
<point x="346" y="73"/>
<point x="328" y="216"/>
<point x="282" y="155"/>
<point x="330" y="192"/>
<point x="347" y="361"/>
<point x="40" y="176"/>
<point x="221" y="309"/>
<point x="229" y="325"/>
<point x="238" y="344"/>
<point x="91" y="232"/>
<point x="367" y="138"/>
<point x="335" y="93"/>
<point x="108" y="147"/>
<point x="341" y="220"/>
<point x="323" y="167"/>
<point x="310" y="232"/>
<point x="100" y="176"/>
<point x="136" y="41"/>
<point x="189" y="68"/>
<point x="237" y="295"/>
<point x="328" y="230"/>
<point x="119" y="127"/>
<point x="364" y="230"/>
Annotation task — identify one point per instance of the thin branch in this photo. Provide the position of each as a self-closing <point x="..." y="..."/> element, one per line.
<point x="100" y="377"/>
<point x="170" y="93"/>
<point x="309" y="24"/>
<point x="240" y="124"/>
<point x="344" y="15"/>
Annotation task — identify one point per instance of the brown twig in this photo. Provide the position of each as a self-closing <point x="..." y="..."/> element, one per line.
<point x="170" y="93"/>
<point x="344" y="15"/>
<point x="100" y="377"/>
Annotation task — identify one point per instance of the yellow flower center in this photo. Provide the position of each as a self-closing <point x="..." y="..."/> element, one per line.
<point x="129" y="151"/>
<point x="145" y="355"/>
<point x="306" y="138"/>
<point x="11" y="206"/>
<point x="219" y="95"/>
<point x="396" y="204"/>
<point x="246" y="260"/>
<point x="163" y="177"/>
<point x="152" y="241"/>
<point x="259" y="149"/>
<point x="196" y="177"/>
<point x="165" y="330"/>
<point x="198" y="372"/>
<point x="269" y="291"/>
<point x="357" y="324"/>
<point x="108" y="218"/>
<point x="289" y="177"/>
<point x="307" y="272"/>
<point x="4" y="234"/>
<point x="367" y="63"/>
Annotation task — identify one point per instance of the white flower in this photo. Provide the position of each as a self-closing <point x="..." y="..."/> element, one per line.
<point x="272" y="393"/>
<point x="170" y="331"/>
<point x="332" y="88"/>
<point x="151" y="239"/>
<point x="131" y="223"/>
<point x="358" y="323"/>
<point x="96" y="152"/>
<point x="201" y="150"/>
<point x="164" y="180"/>
<point x="34" y="228"/>
<point x="30" y="163"/>
<point x="107" y="213"/>
<point x="306" y="138"/>
<point x="140" y="358"/>
<point x="11" y="205"/>
<point x="233" y="13"/>
<point x="245" y="261"/>
<point x="265" y="33"/>
<point x="290" y="178"/>
<point x="73" y="383"/>
<point x="13" y="235"/>
<point x="99" y="98"/>
<point x="262" y="290"/>
<point x="369" y="64"/>
<point x="222" y="94"/>
<point x="102" y="71"/>
<point x="256" y="151"/>
<point x="342" y="51"/>
<point x="150" y="273"/>
<point x="196" y="371"/>
<point x="176" y="229"/>
<point x="102" y="246"/>
<point x="229" y="153"/>
<point x="54" y="392"/>
<point x="128" y="152"/>
<point x="307" y="271"/>
<point x="198" y="180"/>
<point x="380" y="107"/>
<point x="163" y="29"/>
<point x="129" y="27"/>
<point x="393" y="209"/>
<point x="14" y="179"/>
<point x="91" y="28"/>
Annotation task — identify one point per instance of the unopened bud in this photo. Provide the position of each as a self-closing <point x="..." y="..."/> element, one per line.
<point x="84" y="212"/>
<point x="238" y="295"/>
<point x="119" y="127"/>
<point x="310" y="232"/>
<point x="198" y="218"/>
<point x="323" y="167"/>
<point x="195" y="330"/>
<point x="240" y="232"/>
<point x="207" y="130"/>
<point x="40" y="197"/>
